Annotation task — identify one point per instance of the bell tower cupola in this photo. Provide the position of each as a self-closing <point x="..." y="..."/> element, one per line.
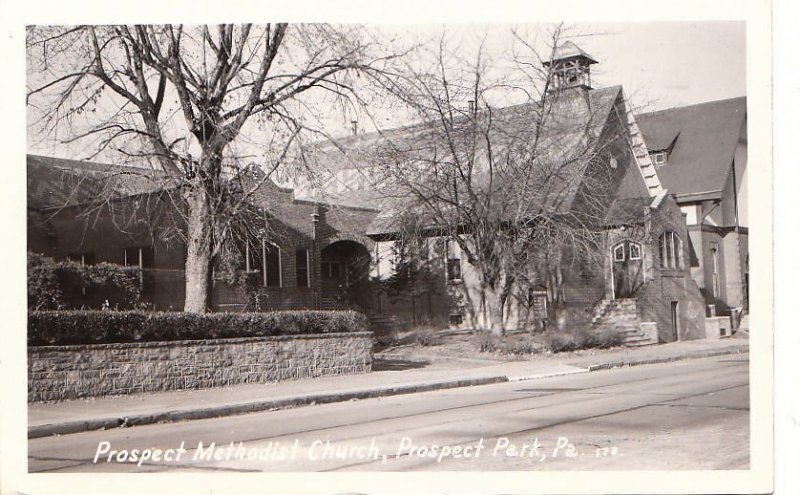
<point x="570" y="67"/>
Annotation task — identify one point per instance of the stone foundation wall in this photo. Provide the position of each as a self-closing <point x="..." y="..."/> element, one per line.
<point x="77" y="371"/>
<point x="718" y="327"/>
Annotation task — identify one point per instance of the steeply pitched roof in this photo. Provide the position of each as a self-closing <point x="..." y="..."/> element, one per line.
<point x="58" y="182"/>
<point x="583" y="118"/>
<point x="707" y="135"/>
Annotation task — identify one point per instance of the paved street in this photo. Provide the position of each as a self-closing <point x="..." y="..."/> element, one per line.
<point x="684" y="415"/>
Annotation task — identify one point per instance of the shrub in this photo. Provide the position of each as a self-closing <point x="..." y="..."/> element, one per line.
<point x="44" y="288"/>
<point x="576" y="339"/>
<point x="99" y="327"/>
<point x="486" y="342"/>
<point x="560" y="341"/>
<point x="425" y="337"/>
<point x="51" y="283"/>
<point x="520" y="347"/>
<point x="603" y="339"/>
<point x="513" y="345"/>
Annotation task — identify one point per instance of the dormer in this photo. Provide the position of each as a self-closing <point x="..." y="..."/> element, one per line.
<point x="660" y="150"/>
<point x="659" y="157"/>
<point x="570" y="67"/>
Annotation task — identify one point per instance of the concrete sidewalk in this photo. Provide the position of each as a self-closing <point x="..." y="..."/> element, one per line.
<point x="408" y="377"/>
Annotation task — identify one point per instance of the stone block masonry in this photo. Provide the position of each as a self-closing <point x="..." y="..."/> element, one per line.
<point x="80" y="371"/>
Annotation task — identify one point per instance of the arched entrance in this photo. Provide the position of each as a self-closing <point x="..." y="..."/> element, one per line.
<point x="344" y="276"/>
<point x="626" y="269"/>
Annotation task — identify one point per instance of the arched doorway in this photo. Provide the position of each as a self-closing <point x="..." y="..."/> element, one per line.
<point x="626" y="261"/>
<point x="344" y="276"/>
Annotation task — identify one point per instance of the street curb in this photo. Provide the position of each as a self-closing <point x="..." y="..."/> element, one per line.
<point x="666" y="359"/>
<point x="40" y="431"/>
<point x="522" y="378"/>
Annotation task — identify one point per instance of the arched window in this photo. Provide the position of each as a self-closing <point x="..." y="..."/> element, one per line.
<point x="619" y="252"/>
<point x="671" y="251"/>
<point x="627" y="251"/>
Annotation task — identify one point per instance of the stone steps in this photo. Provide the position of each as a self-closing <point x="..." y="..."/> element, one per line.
<point x="640" y="342"/>
<point x="383" y="324"/>
<point x="621" y="315"/>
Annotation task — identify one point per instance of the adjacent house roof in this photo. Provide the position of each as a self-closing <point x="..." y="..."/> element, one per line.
<point x="705" y="138"/>
<point x="57" y="182"/>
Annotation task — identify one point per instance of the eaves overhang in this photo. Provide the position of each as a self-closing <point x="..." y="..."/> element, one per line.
<point x="698" y="196"/>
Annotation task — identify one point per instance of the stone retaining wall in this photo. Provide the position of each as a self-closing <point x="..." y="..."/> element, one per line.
<point x="77" y="371"/>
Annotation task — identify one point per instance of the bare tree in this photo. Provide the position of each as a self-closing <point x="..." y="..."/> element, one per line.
<point x="515" y="187"/>
<point x="191" y="102"/>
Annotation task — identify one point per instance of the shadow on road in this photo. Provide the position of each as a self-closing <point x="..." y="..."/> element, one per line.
<point x="397" y="364"/>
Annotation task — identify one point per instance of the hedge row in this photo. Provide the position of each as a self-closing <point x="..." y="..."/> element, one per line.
<point x="577" y="339"/>
<point x="103" y="327"/>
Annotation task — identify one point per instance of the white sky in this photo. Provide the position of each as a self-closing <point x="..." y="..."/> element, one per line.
<point x="659" y="64"/>
<point x="670" y="63"/>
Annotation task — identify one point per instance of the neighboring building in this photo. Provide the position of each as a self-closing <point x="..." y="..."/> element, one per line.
<point x="700" y="152"/>
<point x="330" y="254"/>
<point x="315" y="255"/>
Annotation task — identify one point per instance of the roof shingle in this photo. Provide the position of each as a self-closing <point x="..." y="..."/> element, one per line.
<point x="707" y="135"/>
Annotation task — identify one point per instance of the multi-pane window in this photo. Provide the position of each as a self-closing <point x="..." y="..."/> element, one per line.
<point x="453" y="269"/>
<point x="265" y="258"/>
<point x="635" y="251"/>
<point x="671" y="251"/>
<point x="660" y="157"/>
<point x="627" y="250"/>
<point x="253" y="260"/>
<point x="619" y="252"/>
<point x="302" y="268"/>
<point x="453" y="266"/>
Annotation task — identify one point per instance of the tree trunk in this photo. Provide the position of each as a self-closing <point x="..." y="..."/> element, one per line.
<point x="494" y="305"/>
<point x="199" y="250"/>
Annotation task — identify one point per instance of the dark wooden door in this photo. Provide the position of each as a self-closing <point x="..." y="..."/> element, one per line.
<point x="626" y="259"/>
<point x="674" y="313"/>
